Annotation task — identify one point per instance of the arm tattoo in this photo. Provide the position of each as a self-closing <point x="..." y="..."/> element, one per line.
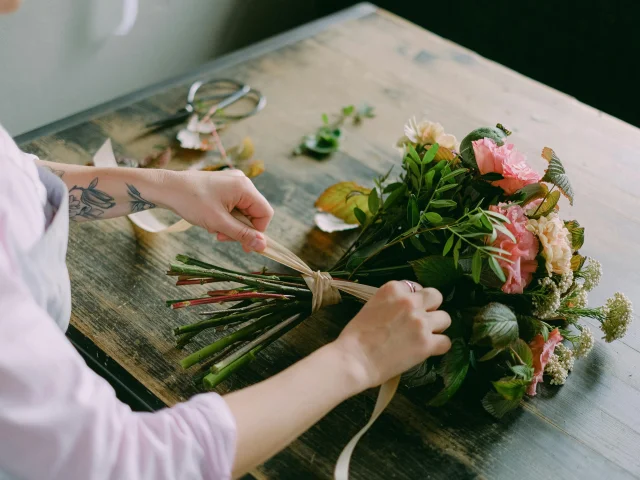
<point x="58" y="173"/>
<point x="138" y="204"/>
<point x="89" y="203"/>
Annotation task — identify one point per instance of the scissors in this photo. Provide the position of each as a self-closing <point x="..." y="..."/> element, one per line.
<point x="225" y="92"/>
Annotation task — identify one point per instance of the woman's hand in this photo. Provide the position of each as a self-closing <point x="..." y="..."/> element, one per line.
<point x="397" y="329"/>
<point x="207" y="199"/>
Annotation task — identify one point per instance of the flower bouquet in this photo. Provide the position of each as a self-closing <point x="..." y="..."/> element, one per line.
<point x="473" y="220"/>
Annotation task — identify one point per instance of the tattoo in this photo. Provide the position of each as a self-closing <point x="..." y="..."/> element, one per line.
<point x="138" y="204"/>
<point x="89" y="203"/>
<point x="58" y="173"/>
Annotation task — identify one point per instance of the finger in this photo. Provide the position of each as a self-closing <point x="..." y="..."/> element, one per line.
<point x="251" y="239"/>
<point x="431" y="298"/>
<point x="440" y="344"/>
<point x="224" y="238"/>
<point x="253" y="205"/>
<point x="438" y="321"/>
<point x="412" y="286"/>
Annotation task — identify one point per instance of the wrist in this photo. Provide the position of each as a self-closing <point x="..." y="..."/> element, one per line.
<point x="349" y="366"/>
<point x="163" y="186"/>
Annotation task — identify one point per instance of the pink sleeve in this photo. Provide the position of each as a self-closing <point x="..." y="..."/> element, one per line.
<point x="59" y="420"/>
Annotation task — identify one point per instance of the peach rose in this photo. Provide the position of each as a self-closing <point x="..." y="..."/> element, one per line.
<point x="506" y="161"/>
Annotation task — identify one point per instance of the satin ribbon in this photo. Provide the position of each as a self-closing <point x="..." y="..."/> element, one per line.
<point x="326" y="291"/>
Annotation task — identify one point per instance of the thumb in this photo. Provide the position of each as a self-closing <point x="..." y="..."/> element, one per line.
<point x="249" y="237"/>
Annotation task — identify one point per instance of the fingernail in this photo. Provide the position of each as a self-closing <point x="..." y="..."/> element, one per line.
<point x="258" y="244"/>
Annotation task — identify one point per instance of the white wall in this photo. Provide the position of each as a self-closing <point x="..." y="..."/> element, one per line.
<point x="58" y="57"/>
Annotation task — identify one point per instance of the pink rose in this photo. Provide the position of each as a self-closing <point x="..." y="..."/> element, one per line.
<point x="519" y="271"/>
<point x="506" y="161"/>
<point x="541" y="352"/>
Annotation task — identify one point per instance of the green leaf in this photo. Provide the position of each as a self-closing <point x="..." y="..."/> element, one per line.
<point x="476" y="266"/>
<point x="500" y="251"/>
<point x="430" y="154"/>
<point x="497" y="215"/>
<point x="456" y="252"/>
<point x="523" y="351"/>
<point x="556" y="174"/>
<point x="510" y="388"/>
<point x="486" y="223"/>
<point x="444" y="188"/>
<point x="413" y="154"/>
<point x="490" y="354"/>
<point x="325" y="119"/>
<point x="360" y="215"/>
<point x="441" y="166"/>
<point x="544" y="331"/>
<point x="453" y="369"/>
<point x="392" y="187"/>
<point x="432" y="217"/>
<point x="413" y="214"/>
<point x="448" y="245"/>
<point x="415" y="170"/>
<point x="498" y="406"/>
<point x="348" y="110"/>
<point x="454" y="174"/>
<point x="523" y="371"/>
<point x="466" y="146"/>
<point x="422" y="374"/>
<point x="395" y="196"/>
<point x="577" y="261"/>
<point x="577" y="234"/>
<point x="547" y="206"/>
<point x="495" y="266"/>
<point x="436" y="271"/>
<point x="374" y="202"/>
<point x="495" y="326"/>
<point x="415" y="241"/>
<point x="429" y="179"/>
<point x="532" y="192"/>
<point x="442" y="203"/>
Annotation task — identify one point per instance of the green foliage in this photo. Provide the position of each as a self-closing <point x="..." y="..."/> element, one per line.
<point x="436" y="271"/>
<point x="547" y="206"/>
<point x="495" y="325"/>
<point x="476" y="266"/>
<point x="532" y="192"/>
<point x="374" y="202"/>
<point x="453" y="369"/>
<point x="556" y="174"/>
<point x="510" y="388"/>
<point x="577" y="234"/>
<point x="360" y="215"/>
<point x="497" y="405"/>
<point x="326" y="139"/>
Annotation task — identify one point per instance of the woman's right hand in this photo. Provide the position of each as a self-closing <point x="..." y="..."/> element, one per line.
<point x="398" y="328"/>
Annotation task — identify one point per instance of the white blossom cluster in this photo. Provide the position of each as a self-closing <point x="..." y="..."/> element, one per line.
<point x="591" y="274"/>
<point x="584" y="344"/>
<point x="618" y="312"/>
<point x="546" y="306"/>
<point x="560" y="364"/>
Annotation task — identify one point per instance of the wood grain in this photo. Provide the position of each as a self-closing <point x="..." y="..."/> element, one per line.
<point x="590" y="428"/>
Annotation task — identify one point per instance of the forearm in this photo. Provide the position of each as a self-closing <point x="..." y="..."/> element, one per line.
<point x="272" y="414"/>
<point x="96" y="193"/>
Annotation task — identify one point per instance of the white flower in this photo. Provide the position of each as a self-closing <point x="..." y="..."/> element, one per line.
<point x="427" y="133"/>
<point x="585" y="343"/>
<point x="618" y="312"/>
<point x="566" y="281"/>
<point x="547" y="304"/>
<point x="591" y="274"/>
<point x="555" y="370"/>
<point x="556" y="242"/>
<point x="580" y="297"/>
<point x="565" y="357"/>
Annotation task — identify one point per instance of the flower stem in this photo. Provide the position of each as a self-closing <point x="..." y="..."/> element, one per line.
<point x="232" y="338"/>
<point x="228" y="298"/>
<point x="213" y="379"/>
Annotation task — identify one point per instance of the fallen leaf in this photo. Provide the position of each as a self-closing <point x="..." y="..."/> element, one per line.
<point x="341" y="198"/>
<point x="242" y="152"/>
<point x="253" y="169"/>
<point x="330" y="223"/>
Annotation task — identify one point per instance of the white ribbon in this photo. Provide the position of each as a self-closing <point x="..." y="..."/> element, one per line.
<point x="326" y="291"/>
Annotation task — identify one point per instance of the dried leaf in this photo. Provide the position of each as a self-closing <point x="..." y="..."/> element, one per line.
<point x="242" y="152"/>
<point x="253" y="169"/>
<point x="340" y="201"/>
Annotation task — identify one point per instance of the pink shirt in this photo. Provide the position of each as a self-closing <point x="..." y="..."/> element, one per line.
<point x="58" y="419"/>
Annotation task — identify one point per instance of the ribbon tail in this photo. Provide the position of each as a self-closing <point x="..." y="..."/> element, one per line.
<point x="385" y="395"/>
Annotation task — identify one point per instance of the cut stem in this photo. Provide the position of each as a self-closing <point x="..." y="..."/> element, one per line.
<point x="229" y="298"/>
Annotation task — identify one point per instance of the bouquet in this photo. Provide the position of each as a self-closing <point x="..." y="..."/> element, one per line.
<point x="473" y="220"/>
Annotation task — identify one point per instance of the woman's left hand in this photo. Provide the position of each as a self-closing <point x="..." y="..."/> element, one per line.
<point x="207" y="199"/>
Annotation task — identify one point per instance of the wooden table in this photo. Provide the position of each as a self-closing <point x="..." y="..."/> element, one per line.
<point x="590" y="428"/>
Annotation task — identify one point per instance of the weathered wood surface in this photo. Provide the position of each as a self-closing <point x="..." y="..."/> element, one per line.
<point x="590" y="428"/>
